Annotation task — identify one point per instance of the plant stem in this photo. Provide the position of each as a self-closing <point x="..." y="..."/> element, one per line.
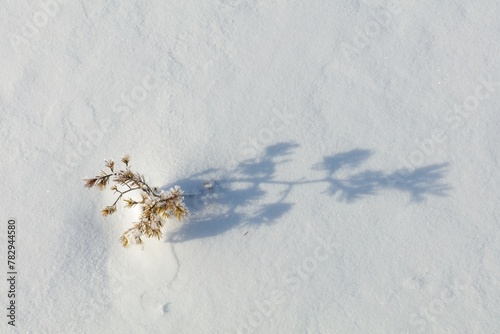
<point x="123" y="193"/>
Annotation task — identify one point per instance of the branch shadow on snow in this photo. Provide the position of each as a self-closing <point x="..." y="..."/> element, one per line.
<point x="235" y="197"/>
<point x="418" y="183"/>
<point x="250" y="193"/>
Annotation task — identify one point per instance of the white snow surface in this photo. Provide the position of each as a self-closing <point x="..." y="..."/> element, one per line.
<point x="353" y="147"/>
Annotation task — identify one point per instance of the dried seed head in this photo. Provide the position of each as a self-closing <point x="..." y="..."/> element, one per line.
<point x="110" y="164"/>
<point x="102" y="183"/>
<point x="108" y="210"/>
<point x="126" y="159"/>
<point x="89" y="183"/>
<point x="124" y="241"/>
<point x="130" y="203"/>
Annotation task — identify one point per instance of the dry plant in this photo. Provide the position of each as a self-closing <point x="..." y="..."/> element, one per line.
<point x="156" y="205"/>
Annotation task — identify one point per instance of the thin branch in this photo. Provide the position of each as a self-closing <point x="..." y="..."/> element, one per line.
<point x="155" y="207"/>
<point x="123" y="193"/>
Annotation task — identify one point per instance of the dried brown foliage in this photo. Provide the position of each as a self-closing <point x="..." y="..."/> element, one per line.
<point x="157" y="206"/>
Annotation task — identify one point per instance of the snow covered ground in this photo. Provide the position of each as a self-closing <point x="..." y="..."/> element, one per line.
<point x="353" y="146"/>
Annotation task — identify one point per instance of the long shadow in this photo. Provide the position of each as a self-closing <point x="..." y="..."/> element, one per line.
<point x="417" y="183"/>
<point x="219" y="200"/>
<point x="250" y="193"/>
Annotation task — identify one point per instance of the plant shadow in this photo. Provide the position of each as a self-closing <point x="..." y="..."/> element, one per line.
<point x="250" y="193"/>
<point x="417" y="183"/>
<point x="219" y="200"/>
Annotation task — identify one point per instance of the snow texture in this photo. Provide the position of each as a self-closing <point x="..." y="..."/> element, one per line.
<point x="351" y="148"/>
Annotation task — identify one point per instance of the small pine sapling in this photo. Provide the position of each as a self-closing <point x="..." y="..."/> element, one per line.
<point x="156" y="205"/>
